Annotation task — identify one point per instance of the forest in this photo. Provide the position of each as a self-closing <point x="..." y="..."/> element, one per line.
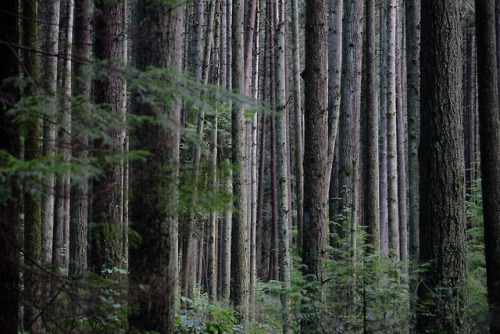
<point x="249" y="166"/>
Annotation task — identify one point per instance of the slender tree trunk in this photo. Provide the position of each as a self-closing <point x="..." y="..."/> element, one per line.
<point x="315" y="146"/>
<point x="442" y="210"/>
<point x="10" y="207"/>
<point x="489" y="131"/>
<point x="239" y="249"/>
<point x="400" y="129"/>
<point x="371" y="166"/>
<point x="273" y="252"/>
<point x="49" y="129"/>
<point x="32" y="201"/>
<point x="153" y="262"/>
<point x="412" y="22"/>
<point x="392" y="155"/>
<point x="297" y="112"/>
<point x="384" y="218"/>
<point x="282" y="157"/>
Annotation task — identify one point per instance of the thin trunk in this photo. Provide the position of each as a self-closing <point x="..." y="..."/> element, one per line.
<point x="392" y="153"/>
<point x="413" y="117"/>
<point x="282" y="157"/>
<point x="489" y="130"/>
<point x="49" y="128"/>
<point x="384" y="228"/>
<point x="297" y="112"/>
<point x="239" y="264"/>
<point x="400" y="128"/>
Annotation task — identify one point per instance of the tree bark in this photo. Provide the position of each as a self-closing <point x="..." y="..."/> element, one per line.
<point x="392" y="155"/>
<point x="153" y="262"/>
<point x="79" y="189"/>
<point x="442" y="291"/>
<point x="315" y="145"/>
<point x="32" y="200"/>
<point x="489" y="131"/>
<point x="239" y="249"/>
<point x="371" y="166"/>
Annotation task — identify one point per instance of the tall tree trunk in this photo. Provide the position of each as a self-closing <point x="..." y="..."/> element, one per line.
<point x="468" y="108"/>
<point x="400" y="128"/>
<point x="153" y="262"/>
<point x="282" y="157"/>
<point x="79" y="189"/>
<point x="297" y="112"/>
<point x="370" y="165"/>
<point x="107" y="233"/>
<point x="350" y="113"/>
<point x="32" y="201"/>
<point x="489" y="131"/>
<point x="392" y="155"/>
<point x="49" y="128"/>
<point x="384" y="218"/>
<point x="10" y="207"/>
<point x="442" y="209"/>
<point x="412" y="22"/>
<point x="239" y="249"/>
<point x="315" y="145"/>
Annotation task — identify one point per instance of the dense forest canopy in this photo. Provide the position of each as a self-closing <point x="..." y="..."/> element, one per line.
<point x="258" y="166"/>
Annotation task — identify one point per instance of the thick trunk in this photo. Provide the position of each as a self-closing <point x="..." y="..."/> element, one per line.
<point x="107" y="233"/>
<point x="350" y="113"/>
<point x="316" y="174"/>
<point x="79" y="189"/>
<point x="442" y="209"/>
<point x="153" y="262"/>
<point x="489" y="131"/>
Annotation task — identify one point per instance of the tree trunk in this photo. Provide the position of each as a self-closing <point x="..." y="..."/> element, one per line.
<point x="49" y="128"/>
<point x="370" y="165"/>
<point x="79" y="189"/>
<point x="392" y="155"/>
<point x="10" y="207"/>
<point x="401" y="161"/>
<point x="315" y="145"/>
<point x="442" y="210"/>
<point x="282" y="157"/>
<point x="239" y="249"/>
<point x="153" y="262"/>
<point x="489" y="131"/>
<point x="107" y="233"/>
<point x="350" y="112"/>
<point x="412" y="22"/>
<point x="297" y="112"/>
<point x="32" y="201"/>
<point x="384" y="218"/>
